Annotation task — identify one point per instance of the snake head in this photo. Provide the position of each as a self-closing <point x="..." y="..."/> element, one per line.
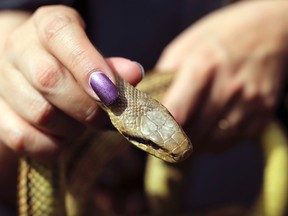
<point x="147" y="124"/>
<point x="160" y="135"/>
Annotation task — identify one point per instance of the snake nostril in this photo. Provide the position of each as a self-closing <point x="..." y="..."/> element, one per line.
<point x="181" y="156"/>
<point x="186" y="154"/>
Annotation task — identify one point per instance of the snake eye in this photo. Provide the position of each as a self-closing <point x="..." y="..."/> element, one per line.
<point x="173" y="155"/>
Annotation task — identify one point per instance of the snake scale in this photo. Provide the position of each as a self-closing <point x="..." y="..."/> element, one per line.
<point x="61" y="187"/>
<point x="143" y="121"/>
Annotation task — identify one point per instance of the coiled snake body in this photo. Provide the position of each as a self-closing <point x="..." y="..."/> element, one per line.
<point x="139" y="118"/>
<point x="61" y="187"/>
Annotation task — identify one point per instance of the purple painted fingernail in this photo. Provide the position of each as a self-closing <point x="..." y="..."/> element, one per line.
<point x="103" y="87"/>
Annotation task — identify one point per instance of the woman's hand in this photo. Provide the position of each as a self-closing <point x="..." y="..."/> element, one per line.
<point x="230" y="71"/>
<point x="45" y="96"/>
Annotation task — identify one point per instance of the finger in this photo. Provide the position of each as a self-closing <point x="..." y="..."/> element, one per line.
<point x="31" y="106"/>
<point x="57" y="85"/>
<point x="256" y="124"/>
<point x="190" y="87"/>
<point x="222" y="98"/>
<point x="131" y="71"/>
<point x="237" y="124"/>
<point x="60" y="31"/>
<point x="24" y="138"/>
<point x="172" y="56"/>
<point x="52" y="80"/>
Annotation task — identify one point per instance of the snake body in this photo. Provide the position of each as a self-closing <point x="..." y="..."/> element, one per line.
<point x="62" y="187"/>
<point x="142" y="120"/>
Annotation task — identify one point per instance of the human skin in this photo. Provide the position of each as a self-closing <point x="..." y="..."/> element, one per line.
<point x="45" y="96"/>
<point x="231" y="67"/>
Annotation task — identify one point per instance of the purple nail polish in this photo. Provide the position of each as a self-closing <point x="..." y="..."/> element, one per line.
<point x="103" y="87"/>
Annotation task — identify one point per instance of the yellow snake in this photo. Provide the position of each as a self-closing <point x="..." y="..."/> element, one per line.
<point x="61" y="187"/>
<point x="139" y="118"/>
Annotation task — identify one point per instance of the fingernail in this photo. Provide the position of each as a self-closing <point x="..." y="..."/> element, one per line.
<point x="103" y="87"/>
<point x="141" y="69"/>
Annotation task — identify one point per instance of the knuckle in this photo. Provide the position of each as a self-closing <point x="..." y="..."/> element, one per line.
<point x="42" y="10"/>
<point x="79" y="57"/>
<point x="47" y="75"/>
<point x="55" y="9"/>
<point x="55" y="25"/>
<point x="54" y="19"/>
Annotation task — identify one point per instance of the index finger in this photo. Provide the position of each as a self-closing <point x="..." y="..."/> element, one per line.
<point x="61" y="31"/>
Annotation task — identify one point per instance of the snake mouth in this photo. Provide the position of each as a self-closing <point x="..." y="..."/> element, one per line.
<point x="157" y="150"/>
<point x="143" y="141"/>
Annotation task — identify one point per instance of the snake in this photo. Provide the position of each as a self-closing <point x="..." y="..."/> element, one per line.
<point x="61" y="187"/>
<point x="142" y="120"/>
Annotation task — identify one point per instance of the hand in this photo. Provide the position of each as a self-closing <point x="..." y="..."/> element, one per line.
<point x="45" y="96"/>
<point x="230" y="71"/>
